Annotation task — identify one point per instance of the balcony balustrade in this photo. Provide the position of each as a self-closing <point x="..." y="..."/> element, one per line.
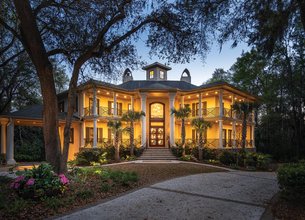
<point x="104" y="111"/>
<point x="215" y="112"/>
<point x="106" y="142"/>
<point x="214" y="143"/>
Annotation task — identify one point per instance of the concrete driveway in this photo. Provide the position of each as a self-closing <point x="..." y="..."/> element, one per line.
<point x="224" y="195"/>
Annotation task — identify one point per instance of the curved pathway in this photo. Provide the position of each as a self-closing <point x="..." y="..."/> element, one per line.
<point x="223" y="195"/>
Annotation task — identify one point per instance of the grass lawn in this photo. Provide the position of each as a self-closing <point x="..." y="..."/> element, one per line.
<point x="91" y="185"/>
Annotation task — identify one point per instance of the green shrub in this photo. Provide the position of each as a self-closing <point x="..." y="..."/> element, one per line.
<point x="30" y="152"/>
<point x="123" y="178"/>
<point x="84" y="194"/>
<point x="187" y="157"/>
<point x="138" y="151"/>
<point x="105" y="187"/>
<point x="227" y="157"/>
<point x="263" y="161"/>
<point x="291" y="179"/>
<point x="39" y="182"/>
<point x="209" y="154"/>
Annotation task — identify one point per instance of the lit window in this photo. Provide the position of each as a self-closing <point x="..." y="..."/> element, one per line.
<point x="151" y="74"/>
<point x="157" y="110"/>
<point x="161" y="74"/>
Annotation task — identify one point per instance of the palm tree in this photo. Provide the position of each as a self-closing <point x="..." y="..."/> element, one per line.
<point x="200" y="126"/>
<point x="132" y="117"/>
<point x="244" y="109"/>
<point x="116" y="128"/>
<point x="183" y="113"/>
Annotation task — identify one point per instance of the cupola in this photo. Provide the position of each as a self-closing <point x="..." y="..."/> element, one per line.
<point x="186" y="76"/>
<point x="156" y="71"/>
<point x="127" y="75"/>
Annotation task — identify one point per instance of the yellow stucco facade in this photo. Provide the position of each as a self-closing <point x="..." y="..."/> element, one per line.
<point x="99" y="102"/>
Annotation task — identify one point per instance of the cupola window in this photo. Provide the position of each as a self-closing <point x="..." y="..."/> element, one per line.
<point x="151" y="74"/>
<point x="161" y="74"/>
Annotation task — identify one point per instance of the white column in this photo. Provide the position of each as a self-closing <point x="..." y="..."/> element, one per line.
<point x="94" y="119"/>
<point x="3" y="137"/>
<point x="10" y="144"/>
<point x="233" y="123"/>
<point x="220" y="134"/>
<point x="115" y="110"/>
<point x="182" y="101"/>
<point x="253" y="136"/>
<point x="143" y="108"/>
<point x="172" y="118"/>
<point x="132" y="103"/>
<point x="220" y="104"/>
<point x="220" y="120"/>
<point x="200" y="105"/>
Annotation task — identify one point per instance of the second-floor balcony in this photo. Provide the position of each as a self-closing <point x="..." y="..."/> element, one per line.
<point x="215" y="113"/>
<point x="104" y="112"/>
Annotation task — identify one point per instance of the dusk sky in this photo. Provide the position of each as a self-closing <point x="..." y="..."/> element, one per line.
<point x="200" y="70"/>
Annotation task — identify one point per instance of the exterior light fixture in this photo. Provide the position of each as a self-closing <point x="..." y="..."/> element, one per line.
<point x="207" y="94"/>
<point x="116" y="95"/>
<point x="125" y="96"/>
<point x="189" y="97"/>
<point x="197" y="95"/>
<point x="216" y="92"/>
<point x="235" y="98"/>
<point x="230" y="96"/>
<point x="98" y="91"/>
<point x="107" y="93"/>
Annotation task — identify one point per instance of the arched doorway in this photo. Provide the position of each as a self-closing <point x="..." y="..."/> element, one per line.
<point x="156" y="124"/>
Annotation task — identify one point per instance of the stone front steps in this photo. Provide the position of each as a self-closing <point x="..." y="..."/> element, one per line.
<point x="157" y="154"/>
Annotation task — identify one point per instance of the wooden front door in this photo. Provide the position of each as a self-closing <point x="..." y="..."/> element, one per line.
<point x="156" y="136"/>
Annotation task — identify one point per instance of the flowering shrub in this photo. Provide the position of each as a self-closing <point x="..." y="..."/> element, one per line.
<point x="40" y="182"/>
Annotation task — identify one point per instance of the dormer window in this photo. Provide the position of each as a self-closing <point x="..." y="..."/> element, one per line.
<point x="161" y="74"/>
<point x="151" y="74"/>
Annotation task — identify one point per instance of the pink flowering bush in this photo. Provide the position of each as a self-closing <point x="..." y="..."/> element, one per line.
<point x="40" y="182"/>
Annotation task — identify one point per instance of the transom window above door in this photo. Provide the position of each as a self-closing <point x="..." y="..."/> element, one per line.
<point x="157" y="110"/>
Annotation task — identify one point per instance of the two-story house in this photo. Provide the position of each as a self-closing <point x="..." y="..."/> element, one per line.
<point x="98" y="102"/>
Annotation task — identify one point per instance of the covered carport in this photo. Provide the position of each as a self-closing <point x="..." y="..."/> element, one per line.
<point x="30" y="116"/>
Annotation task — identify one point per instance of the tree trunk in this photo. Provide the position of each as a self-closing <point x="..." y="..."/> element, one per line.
<point x="131" y="139"/>
<point x="117" y="147"/>
<point x="200" y="146"/>
<point x="70" y="112"/>
<point x="183" y="136"/>
<point x="34" y="46"/>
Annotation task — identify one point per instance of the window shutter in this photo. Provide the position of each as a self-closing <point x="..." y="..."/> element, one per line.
<point x="109" y="135"/>
<point x="100" y="133"/>
<point x="193" y="109"/>
<point x="204" y="108"/>
<point x="109" y="107"/>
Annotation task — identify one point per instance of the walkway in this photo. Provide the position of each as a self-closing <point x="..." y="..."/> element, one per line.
<point x="226" y="195"/>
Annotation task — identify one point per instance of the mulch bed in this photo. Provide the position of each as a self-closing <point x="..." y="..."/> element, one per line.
<point x="90" y="191"/>
<point x="282" y="209"/>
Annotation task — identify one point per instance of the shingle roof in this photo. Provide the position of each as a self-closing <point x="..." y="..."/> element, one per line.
<point x="34" y="112"/>
<point x="160" y="85"/>
<point x="156" y="64"/>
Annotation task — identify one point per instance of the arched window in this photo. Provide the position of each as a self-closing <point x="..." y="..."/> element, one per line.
<point x="157" y="110"/>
